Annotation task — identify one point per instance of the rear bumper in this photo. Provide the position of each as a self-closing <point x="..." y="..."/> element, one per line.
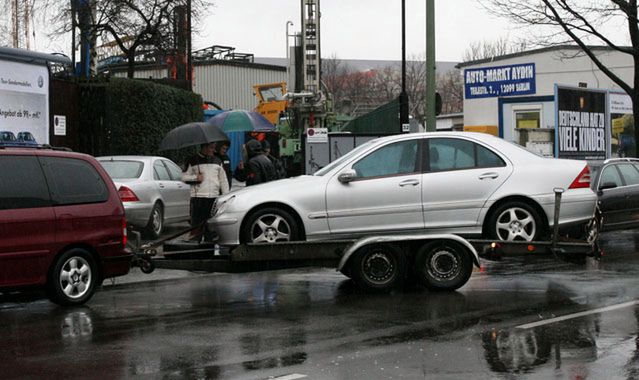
<point x="577" y="206"/>
<point x="137" y="213"/>
<point x="114" y="266"/>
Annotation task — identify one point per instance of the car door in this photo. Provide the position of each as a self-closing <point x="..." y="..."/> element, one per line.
<point x="385" y="195"/>
<point x="166" y="188"/>
<point x="181" y="191"/>
<point x="27" y="222"/>
<point x="612" y="197"/>
<point x="460" y="175"/>
<point x="630" y="177"/>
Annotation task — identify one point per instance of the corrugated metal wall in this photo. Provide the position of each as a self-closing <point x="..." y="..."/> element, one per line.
<point x="157" y="73"/>
<point x="230" y="86"/>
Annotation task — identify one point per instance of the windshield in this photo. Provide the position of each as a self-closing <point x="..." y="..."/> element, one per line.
<point x="344" y="158"/>
<point x="123" y="169"/>
<point x="271" y="94"/>
<point x="7" y="136"/>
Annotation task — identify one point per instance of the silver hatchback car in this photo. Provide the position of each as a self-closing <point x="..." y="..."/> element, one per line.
<point x="151" y="190"/>
<point x="471" y="184"/>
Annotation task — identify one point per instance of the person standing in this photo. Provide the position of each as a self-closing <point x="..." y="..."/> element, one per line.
<point x="259" y="168"/>
<point x="226" y="160"/>
<point x="204" y="172"/>
<point x="277" y="164"/>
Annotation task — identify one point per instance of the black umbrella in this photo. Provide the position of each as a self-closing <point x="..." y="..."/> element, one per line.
<point x="192" y="134"/>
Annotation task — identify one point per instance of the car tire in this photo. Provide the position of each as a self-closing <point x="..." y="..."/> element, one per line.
<point x="515" y="221"/>
<point x="155" y="225"/>
<point x="443" y="265"/>
<point x="73" y="278"/>
<point x="270" y="225"/>
<point x="380" y="267"/>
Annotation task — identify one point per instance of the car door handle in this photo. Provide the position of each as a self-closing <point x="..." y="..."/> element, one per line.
<point x="161" y="185"/>
<point x="492" y="175"/>
<point x="411" y="182"/>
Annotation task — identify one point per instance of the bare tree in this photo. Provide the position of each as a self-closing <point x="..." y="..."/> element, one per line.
<point x="450" y="86"/>
<point x="583" y="23"/>
<point x="132" y="24"/>
<point x="488" y="49"/>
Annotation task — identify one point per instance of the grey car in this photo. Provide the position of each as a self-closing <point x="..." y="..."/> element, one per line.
<point x="151" y="190"/>
<point x="471" y="184"/>
<point x="616" y="182"/>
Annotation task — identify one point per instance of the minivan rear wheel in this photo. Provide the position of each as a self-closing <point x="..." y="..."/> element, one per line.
<point x="73" y="278"/>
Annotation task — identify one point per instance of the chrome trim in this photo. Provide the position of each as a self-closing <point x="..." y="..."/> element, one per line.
<point x="318" y="215"/>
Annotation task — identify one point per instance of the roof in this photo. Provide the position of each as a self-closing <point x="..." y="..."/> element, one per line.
<point x="30" y="56"/>
<point x="530" y="52"/>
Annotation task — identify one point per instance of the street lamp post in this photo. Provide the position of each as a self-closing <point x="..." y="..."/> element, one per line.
<point x="288" y="63"/>
<point x="403" y="96"/>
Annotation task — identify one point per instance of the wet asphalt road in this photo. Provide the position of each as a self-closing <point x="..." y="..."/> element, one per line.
<point x="313" y="323"/>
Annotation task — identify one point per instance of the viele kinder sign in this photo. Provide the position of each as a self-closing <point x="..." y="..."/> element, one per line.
<point x="510" y="80"/>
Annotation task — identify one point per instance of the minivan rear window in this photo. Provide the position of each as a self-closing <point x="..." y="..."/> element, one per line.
<point x="22" y="183"/>
<point x="74" y="181"/>
<point x="121" y="169"/>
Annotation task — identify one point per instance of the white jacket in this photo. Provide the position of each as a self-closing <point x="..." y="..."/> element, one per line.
<point x="214" y="182"/>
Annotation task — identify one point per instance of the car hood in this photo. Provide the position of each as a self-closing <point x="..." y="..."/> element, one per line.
<point x="279" y="190"/>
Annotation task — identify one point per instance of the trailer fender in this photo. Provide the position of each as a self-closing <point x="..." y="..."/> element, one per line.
<point x="404" y="238"/>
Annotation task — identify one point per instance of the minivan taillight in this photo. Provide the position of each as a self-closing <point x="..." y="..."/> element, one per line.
<point x="583" y="179"/>
<point x="127" y="195"/>
<point x="124" y="235"/>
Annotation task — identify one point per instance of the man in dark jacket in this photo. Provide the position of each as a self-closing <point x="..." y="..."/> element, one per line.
<point x="259" y="168"/>
<point x="279" y="168"/>
<point x="220" y="153"/>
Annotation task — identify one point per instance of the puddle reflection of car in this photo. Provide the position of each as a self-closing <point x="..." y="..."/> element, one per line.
<point x="471" y="184"/>
<point x="26" y="138"/>
<point x="151" y="190"/>
<point x="616" y="182"/>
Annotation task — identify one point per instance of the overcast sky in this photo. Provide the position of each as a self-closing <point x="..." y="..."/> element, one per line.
<point x="351" y="29"/>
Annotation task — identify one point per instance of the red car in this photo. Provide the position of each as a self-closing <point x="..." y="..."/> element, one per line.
<point x="62" y="224"/>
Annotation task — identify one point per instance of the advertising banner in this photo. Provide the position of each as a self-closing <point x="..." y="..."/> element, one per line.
<point x="581" y="123"/>
<point x="622" y="134"/>
<point x="496" y="81"/>
<point x="24" y="103"/>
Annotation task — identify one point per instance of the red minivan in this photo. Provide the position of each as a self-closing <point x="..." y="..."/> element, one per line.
<point x="62" y="224"/>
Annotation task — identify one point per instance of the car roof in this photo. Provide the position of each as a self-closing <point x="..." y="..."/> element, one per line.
<point x="130" y="158"/>
<point x="41" y="151"/>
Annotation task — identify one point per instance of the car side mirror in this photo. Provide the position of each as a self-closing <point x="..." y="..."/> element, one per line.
<point x="607" y="185"/>
<point x="347" y="176"/>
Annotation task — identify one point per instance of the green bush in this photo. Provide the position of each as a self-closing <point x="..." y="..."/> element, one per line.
<point x="127" y="116"/>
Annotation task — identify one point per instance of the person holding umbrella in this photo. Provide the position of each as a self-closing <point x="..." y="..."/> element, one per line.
<point x="204" y="172"/>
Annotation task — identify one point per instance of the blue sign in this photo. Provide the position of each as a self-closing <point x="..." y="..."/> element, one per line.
<point x="500" y="81"/>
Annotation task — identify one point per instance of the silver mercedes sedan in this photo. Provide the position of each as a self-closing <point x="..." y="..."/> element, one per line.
<point x="471" y="184"/>
<point x="151" y="190"/>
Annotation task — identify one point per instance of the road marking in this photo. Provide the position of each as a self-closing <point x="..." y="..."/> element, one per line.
<point x="292" y="376"/>
<point x="577" y="315"/>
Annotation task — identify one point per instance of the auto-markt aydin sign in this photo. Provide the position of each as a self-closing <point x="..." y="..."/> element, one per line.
<point x="496" y="81"/>
<point x="581" y="123"/>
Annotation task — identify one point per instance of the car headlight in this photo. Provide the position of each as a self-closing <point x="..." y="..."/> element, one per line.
<point x="220" y="207"/>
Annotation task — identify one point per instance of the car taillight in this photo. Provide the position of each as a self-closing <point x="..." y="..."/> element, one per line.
<point x="583" y="179"/>
<point x="124" y="235"/>
<point x="127" y="195"/>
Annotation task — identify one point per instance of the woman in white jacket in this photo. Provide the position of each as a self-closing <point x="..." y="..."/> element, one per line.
<point x="204" y="172"/>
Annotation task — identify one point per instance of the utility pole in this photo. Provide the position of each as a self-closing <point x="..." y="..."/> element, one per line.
<point x="430" y="66"/>
<point x="403" y="96"/>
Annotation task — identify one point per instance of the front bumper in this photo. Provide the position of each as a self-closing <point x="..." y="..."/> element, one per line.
<point x="227" y="226"/>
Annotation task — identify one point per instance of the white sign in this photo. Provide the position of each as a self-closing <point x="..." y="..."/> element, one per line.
<point x="24" y="100"/>
<point x="406" y="127"/>
<point x="59" y="125"/>
<point x="317" y="135"/>
<point x="619" y="103"/>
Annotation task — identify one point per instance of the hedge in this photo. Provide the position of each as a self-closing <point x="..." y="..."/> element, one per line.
<point x="130" y="117"/>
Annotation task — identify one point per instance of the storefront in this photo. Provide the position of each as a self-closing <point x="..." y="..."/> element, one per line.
<point x="554" y="101"/>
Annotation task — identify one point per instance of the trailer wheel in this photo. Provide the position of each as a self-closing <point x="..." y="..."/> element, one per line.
<point x="147" y="266"/>
<point x="378" y="267"/>
<point x="443" y="265"/>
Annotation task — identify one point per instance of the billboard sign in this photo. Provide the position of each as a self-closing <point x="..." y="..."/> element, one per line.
<point x="24" y="100"/>
<point x="622" y="133"/>
<point x="511" y="80"/>
<point x="581" y="123"/>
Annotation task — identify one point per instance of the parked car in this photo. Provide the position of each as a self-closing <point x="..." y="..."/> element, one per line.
<point x="62" y="224"/>
<point x="26" y="138"/>
<point x="151" y="189"/>
<point x="7" y="138"/>
<point x="471" y="184"/>
<point x="616" y="182"/>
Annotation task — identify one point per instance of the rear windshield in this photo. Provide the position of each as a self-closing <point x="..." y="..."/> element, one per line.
<point x="123" y="169"/>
